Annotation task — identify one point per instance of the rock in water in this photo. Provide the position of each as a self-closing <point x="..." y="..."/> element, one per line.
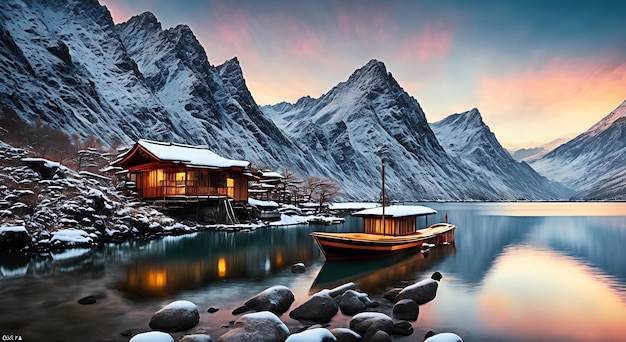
<point x="421" y="292"/>
<point x="406" y="309"/>
<point x="345" y="335"/>
<point x="442" y="337"/>
<point x="313" y="335"/>
<point x="176" y="316"/>
<point x="321" y="308"/>
<point x="196" y="338"/>
<point x="257" y="327"/>
<point x="353" y="302"/>
<point x="87" y="300"/>
<point x="276" y="299"/>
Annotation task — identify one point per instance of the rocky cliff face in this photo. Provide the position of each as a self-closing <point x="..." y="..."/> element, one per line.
<point x="593" y="163"/>
<point x="470" y="140"/>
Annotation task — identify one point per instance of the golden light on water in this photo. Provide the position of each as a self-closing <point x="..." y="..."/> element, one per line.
<point x="221" y="267"/>
<point x="540" y="294"/>
<point x="156" y="278"/>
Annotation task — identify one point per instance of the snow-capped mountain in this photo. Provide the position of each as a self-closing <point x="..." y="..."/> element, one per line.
<point x="593" y="163"/>
<point x="62" y="62"/>
<point x="354" y="120"/>
<point x="211" y="105"/>
<point x="67" y="64"/>
<point x="532" y="153"/>
<point x="469" y="139"/>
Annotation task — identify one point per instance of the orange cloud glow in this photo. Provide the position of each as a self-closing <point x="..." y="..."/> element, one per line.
<point x="560" y="97"/>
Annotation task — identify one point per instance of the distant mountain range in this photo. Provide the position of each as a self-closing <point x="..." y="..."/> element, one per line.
<point x="593" y="163"/>
<point x="67" y="64"/>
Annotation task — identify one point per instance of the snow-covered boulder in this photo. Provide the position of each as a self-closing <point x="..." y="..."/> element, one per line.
<point x="321" y="308"/>
<point x="176" y="316"/>
<point x="152" y="336"/>
<point x="276" y="299"/>
<point x="442" y="337"/>
<point x="313" y="335"/>
<point x="14" y="238"/>
<point x="261" y="326"/>
<point x="353" y="302"/>
<point x="421" y="292"/>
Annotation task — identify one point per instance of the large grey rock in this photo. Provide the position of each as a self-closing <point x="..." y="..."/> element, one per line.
<point x="380" y="336"/>
<point x="367" y="324"/>
<point x="345" y="335"/>
<point x="257" y="327"/>
<point x="321" y="308"/>
<point x="276" y="299"/>
<point x="406" y="309"/>
<point x="421" y="292"/>
<point x="196" y="338"/>
<point x="353" y="302"/>
<point x="176" y="316"/>
<point x="339" y="290"/>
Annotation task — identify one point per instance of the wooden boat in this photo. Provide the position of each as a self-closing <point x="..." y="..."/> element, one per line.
<point x="386" y="231"/>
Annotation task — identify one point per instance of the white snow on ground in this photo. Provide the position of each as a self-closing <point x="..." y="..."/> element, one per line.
<point x="12" y="229"/>
<point x="71" y="236"/>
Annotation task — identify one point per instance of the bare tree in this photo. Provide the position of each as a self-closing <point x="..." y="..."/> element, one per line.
<point x="321" y="190"/>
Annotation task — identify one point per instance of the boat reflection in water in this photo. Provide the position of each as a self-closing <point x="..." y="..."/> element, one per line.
<point x="375" y="275"/>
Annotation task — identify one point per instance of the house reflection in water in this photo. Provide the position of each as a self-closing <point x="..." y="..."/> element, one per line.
<point x="149" y="278"/>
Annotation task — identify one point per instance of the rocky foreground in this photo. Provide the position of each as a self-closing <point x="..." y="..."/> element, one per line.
<point x="260" y="317"/>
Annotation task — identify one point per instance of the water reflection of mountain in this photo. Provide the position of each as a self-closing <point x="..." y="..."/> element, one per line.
<point x="599" y="241"/>
<point x="480" y="240"/>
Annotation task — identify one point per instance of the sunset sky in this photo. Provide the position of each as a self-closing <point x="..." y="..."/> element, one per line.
<point x="536" y="70"/>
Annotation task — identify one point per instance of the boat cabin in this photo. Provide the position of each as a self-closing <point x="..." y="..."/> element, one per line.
<point x="398" y="219"/>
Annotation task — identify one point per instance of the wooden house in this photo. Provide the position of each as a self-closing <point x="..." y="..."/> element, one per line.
<point x="177" y="175"/>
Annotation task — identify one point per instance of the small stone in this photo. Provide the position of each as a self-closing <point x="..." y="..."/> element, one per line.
<point x="87" y="300"/>
<point x="212" y="310"/>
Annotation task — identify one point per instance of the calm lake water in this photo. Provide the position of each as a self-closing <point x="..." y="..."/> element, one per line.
<point x="517" y="272"/>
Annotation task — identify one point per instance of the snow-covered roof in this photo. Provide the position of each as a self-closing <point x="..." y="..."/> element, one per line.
<point x="259" y="203"/>
<point x="271" y="174"/>
<point x="199" y="156"/>
<point x="397" y="211"/>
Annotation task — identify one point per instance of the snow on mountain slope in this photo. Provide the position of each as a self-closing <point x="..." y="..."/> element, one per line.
<point x="593" y="163"/>
<point x="63" y="63"/>
<point x="212" y="104"/>
<point x="469" y="139"/>
<point x="530" y="154"/>
<point x="370" y="110"/>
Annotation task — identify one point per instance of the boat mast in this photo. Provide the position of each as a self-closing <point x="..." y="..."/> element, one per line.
<point x="383" y="184"/>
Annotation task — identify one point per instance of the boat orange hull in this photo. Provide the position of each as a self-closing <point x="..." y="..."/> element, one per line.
<point x="349" y="246"/>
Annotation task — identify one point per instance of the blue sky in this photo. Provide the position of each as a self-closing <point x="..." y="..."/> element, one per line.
<point x="537" y="70"/>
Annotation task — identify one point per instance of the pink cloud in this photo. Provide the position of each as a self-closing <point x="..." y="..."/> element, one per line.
<point x="431" y="42"/>
<point x="364" y="23"/>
